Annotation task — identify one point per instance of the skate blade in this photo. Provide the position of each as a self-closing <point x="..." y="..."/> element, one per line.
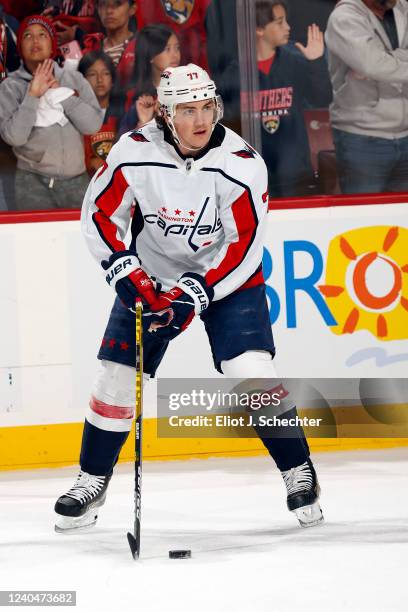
<point x="309" y="516"/>
<point x="72" y="524"/>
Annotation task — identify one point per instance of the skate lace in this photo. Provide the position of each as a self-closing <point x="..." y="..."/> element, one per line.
<point x="86" y="487"/>
<point x="299" y="478"/>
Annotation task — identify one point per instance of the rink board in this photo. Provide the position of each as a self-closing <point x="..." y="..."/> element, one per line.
<point x="37" y="446"/>
<point x="54" y="305"/>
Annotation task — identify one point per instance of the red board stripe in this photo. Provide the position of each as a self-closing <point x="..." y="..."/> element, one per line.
<point x="246" y="224"/>
<point x="372" y="199"/>
<point x="45" y="216"/>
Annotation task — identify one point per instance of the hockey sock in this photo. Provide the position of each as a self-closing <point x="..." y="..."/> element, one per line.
<point x="100" y="449"/>
<point x="287" y="445"/>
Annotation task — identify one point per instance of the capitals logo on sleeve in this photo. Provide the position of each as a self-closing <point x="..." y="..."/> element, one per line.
<point x="138" y="137"/>
<point x="246" y="153"/>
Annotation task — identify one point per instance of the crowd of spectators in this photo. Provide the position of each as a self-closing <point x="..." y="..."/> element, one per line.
<point x="76" y="74"/>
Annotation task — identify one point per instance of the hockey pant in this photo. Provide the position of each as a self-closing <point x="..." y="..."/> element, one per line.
<point x="111" y="411"/>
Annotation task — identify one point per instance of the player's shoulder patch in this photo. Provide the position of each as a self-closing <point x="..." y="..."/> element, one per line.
<point x="231" y="164"/>
<point x="137" y="136"/>
<point x="238" y="147"/>
<point x="243" y="162"/>
<point x="247" y="152"/>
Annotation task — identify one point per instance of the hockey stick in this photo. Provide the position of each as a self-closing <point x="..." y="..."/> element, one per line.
<point x="134" y="539"/>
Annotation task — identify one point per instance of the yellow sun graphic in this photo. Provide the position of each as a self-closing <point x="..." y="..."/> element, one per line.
<point x="366" y="284"/>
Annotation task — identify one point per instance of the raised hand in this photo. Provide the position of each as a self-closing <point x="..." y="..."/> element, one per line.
<point x="315" y="43"/>
<point x="145" y="108"/>
<point x="43" y="79"/>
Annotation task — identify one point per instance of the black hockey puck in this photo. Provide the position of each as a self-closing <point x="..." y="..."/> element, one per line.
<point x="179" y="554"/>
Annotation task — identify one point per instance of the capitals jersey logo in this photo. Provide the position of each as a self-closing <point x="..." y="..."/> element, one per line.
<point x="178" y="10"/>
<point x="188" y="224"/>
<point x="246" y="153"/>
<point x="138" y="137"/>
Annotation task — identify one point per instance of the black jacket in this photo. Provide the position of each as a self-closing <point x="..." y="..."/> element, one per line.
<point x="292" y="85"/>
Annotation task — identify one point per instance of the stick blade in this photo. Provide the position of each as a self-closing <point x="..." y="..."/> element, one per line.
<point x="134" y="548"/>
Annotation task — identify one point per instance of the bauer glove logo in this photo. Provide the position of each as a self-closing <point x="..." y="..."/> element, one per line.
<point x="118" y="270"/>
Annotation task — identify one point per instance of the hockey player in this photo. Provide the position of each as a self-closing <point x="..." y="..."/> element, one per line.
<point x="198" y="228"/>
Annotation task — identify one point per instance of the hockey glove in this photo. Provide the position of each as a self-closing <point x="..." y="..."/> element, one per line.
<point x="124" y="274"/>
<point x="189" y="297"/>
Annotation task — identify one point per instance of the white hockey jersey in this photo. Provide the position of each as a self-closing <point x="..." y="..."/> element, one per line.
<point x="205" y="214"/>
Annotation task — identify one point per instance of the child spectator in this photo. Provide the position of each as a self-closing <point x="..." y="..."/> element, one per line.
<point x="287" y="82"/>
<point x="117" y="39"/>
<point x="99" y="71"/>
<point x="44" y="111"/>
<point x="157" y="48"/>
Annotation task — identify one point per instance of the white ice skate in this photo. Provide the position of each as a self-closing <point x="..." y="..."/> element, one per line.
<point x="303" y="492"/>
<point x="78" y="508"/>
<point x="309" y="516"/>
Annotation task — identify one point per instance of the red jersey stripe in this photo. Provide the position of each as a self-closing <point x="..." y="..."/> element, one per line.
<point x="246" y="223"/>
<point x="111" y="197"/>
<point x="108" y="231"/>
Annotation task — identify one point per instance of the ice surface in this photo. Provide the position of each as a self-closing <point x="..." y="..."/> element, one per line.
<point x="249" y="554"/>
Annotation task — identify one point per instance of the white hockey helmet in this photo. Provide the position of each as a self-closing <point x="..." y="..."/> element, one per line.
<point x="186" y="84"/>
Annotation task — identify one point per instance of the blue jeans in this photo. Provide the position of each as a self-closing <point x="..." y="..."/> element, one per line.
<point x="371" y="165"/>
